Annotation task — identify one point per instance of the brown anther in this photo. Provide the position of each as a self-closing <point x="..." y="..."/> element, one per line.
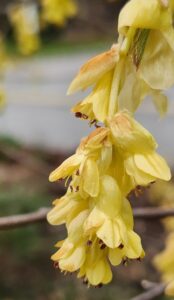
<point x="60" y="179"/>
<point x="139" y="259"/>
<point x="99" y="285"/>
<point x="102" y="247"/>
<point x="56" y="265"/>
<point x="77" y="173"/>
<point x="71" y="188"/>
<point x="152" y="182"/>
<point x="121" y="246"/>
<point x="77" y="189"/>
<point x="78" y="115"/>
<point x="100" y="242"/>
<point x="85" y="281"/>
<point x="89" y="243"/>
<point x="93" y="122"/>
<point x="85" y="117"/>
<point x="96" y="125"/>
<point x="125" y="262"/>
<point x="138" y="191"/>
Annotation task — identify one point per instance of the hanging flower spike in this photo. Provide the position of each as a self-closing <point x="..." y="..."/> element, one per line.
<point x="24" y="18"/>
<point x="58" y="11"/>
<point x="99" y="230"/>
<point x="114" y="159"/>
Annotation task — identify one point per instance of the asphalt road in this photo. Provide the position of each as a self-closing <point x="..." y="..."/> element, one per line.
<point x="38" y="113"/>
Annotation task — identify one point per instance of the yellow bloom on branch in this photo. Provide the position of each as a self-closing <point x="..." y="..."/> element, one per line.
<point x="99" y="230"/>
<point x="58" y="11"/>
<point x="24" y="18"/>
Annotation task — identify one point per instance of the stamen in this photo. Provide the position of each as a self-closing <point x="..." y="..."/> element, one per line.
<point x="89" y="243"/>
<point x="77" y="189"/>
<point x="71" y="188"/>
<point x="85" y="117"/>
<point x="121" y="246"/>
<point x="96" y="125"/>
<point x="139" y="259"/>
<point x="56" y="265"/>
<point x="103" y="247"/>
<point x="78" y="115"/>
<point x="78" y="173"/>
<point x="125" y="262"/>
<point x="85" y="281"/>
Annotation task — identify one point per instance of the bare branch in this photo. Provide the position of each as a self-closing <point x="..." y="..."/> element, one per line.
<point x="155" y="291"/>
<point x="11" y="222"/>
<point x="15" y="221"/>
<point x="153" y="213"/>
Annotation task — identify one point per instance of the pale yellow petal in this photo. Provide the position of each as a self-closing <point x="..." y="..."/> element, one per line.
<point x="66" y="168"/>
<point x="158" y="54"/>
<point x="94" y="69"/>
<point x="134" y="248"/>
<point x="144" y="14"/>
<point x="90" y="178"/>
<point x="161" y="103"/>
<point x="109" y="233"/>
<point x="74" y="261"/>
<point x="116" y="256"/>
<point x="154" y="165"/>
<point x="139" y="176"/>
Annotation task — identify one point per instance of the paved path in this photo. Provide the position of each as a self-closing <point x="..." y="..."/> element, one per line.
<point x="38" y="109"/>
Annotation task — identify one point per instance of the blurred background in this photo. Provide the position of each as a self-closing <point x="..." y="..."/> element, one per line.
<point x="41" y="49"/>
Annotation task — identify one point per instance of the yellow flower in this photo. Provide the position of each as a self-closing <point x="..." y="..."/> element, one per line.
<point x="96" y="269"/>
<point x="66" y="208"/>
<point x="136" y="151"/>
<point x="157" y="22"/>
<point x="145" y="14"/>
<point x="72" y="253"/>
<point x="111" y="220"/>
<point x="118" y="85"/>
<point x="58" y="11"/>
<point x="164" y="262"/>
<point x="93" y="156"/>
<point x="24" y="18"/>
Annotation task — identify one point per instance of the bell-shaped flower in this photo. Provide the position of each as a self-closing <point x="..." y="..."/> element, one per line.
<point x="57" y="11"/>
<point x="66" y="208"/>
<point x="92" y="157"/>
<point x="72" y="253"/>
<point x="96" y="269"/>
<point x="111" y="219"/>
<point x="135" y="151"/>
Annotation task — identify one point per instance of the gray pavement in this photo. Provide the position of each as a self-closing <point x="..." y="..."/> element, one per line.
<point x="38" y="113"/>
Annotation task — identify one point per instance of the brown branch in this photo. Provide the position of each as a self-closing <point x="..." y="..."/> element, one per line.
<point x="152" y="293"/>
<point x="153" y="213"/>
<point x="15" y="221"/>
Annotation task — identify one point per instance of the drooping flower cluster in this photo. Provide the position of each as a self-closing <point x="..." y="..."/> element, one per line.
<point x="28" y="19"/>
<point x="57" y="11"/>
<point x="120" y="155"/>
<point x="25" y="21"/>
